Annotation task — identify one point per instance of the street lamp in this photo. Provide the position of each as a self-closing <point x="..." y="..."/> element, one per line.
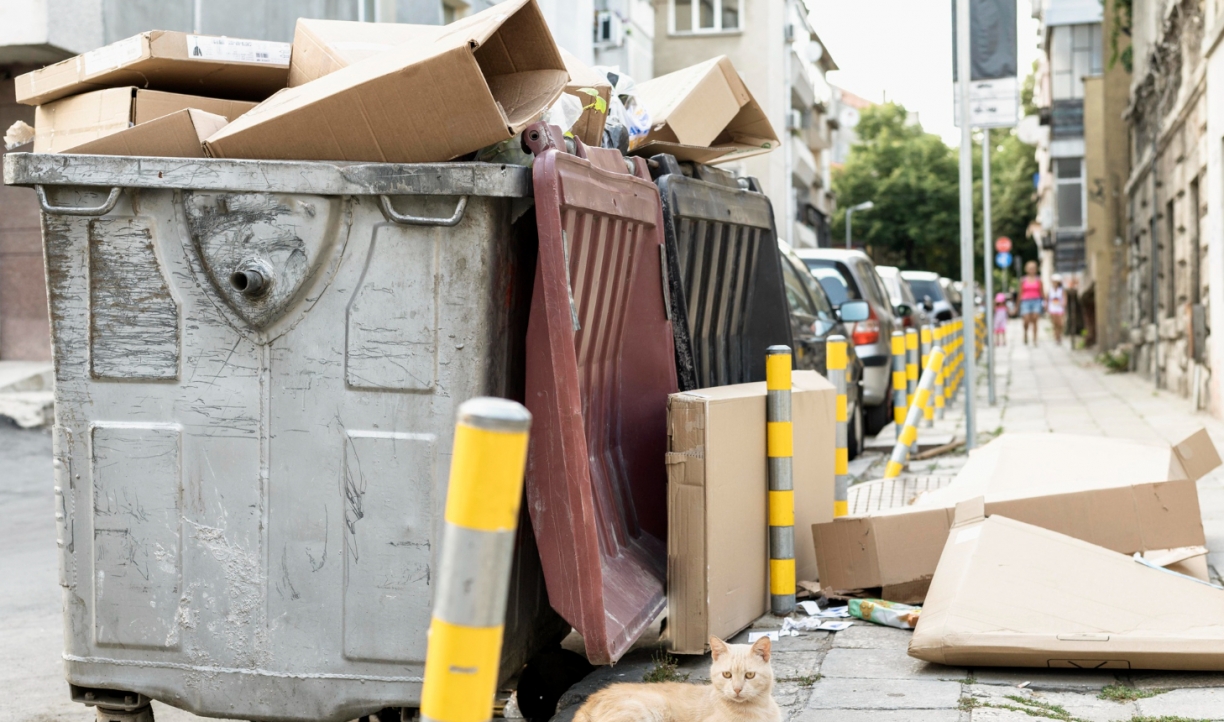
<point x="864" y="206"/>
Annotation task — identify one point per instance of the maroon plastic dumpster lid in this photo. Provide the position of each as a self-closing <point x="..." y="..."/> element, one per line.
<point x="600" y="365"/>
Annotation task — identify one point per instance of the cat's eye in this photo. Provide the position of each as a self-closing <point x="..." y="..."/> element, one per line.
<point x="727" y="675"/>
<point x="749" y="675"/>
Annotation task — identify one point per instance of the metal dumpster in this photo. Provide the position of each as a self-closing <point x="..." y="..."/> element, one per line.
<point x="257" y="370"/>
<point x="600" y="364"/>
<point x="727" y="295"/>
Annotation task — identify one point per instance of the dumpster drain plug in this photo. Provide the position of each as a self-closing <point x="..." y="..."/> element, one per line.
<point x="249" y="281"/>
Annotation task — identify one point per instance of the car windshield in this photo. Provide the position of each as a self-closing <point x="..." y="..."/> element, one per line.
<point x="838" y="288"/>
<point x="923" y="288"/>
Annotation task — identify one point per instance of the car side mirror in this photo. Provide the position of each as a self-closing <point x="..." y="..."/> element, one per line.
<point x="904" y="310"/>
<point x="927" y="303"/>
<point x="852" y="311"/>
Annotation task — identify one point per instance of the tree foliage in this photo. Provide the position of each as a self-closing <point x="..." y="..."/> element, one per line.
<point x="912" y="177"/>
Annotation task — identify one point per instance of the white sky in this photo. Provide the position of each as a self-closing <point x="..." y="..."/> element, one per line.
<point x="902" y="50"/>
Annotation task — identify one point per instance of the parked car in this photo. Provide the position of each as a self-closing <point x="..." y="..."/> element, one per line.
<point x="847" y="276"/>
<point x="813" y="321"/>
<point x="930" y="293"/>
<point x="905" y="305"/>
<point x="952" y="290"/>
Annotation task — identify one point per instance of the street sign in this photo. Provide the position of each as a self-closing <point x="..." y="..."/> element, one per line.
<point x="994" y="80"/>
<point x="1003" y="260"/>
<point x="1003" y="244"/>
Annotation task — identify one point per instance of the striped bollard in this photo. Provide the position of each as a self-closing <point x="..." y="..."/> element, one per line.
<point x="482" y="511"/>
<point x="940" y="341"/>
<point x="780" y="444"/>
<point x="911" y="371"/>
<point x="926" y="339"/>
<point x="950" y="374"/>
<point x="898" y="380"/>
<point x="909" y="435"/>
<point x="836" y="361"/>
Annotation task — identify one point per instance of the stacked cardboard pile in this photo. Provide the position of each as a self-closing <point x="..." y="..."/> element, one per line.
<point x="349" y="91"/>
<point x="1091" y="547"/>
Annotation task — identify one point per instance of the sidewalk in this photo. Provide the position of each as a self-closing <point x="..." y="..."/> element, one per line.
<point x="864" y="674"/>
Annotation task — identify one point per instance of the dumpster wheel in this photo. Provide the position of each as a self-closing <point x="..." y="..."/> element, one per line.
<point x="548" y="675"/>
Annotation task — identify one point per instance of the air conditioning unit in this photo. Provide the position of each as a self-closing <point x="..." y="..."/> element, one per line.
<point x="609" y="30"/>
<point x="794" y="120"/>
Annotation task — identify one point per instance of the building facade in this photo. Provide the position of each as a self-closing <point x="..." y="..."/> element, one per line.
<point x="781" y="59"/>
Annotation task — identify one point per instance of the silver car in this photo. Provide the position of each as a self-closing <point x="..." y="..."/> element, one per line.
<point x="851" y="276"/>
<point x="912" y="313"/>
<point x="931" y="293"/>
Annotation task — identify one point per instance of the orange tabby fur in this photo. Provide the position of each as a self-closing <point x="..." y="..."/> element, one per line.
<point x="731" y="696"/>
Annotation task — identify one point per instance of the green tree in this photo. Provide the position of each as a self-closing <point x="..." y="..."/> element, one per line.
<point x="912" y="177"/>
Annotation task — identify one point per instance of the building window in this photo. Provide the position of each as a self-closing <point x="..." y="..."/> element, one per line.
<point x="1075" y="52"/>
<point x="453" y="10"/>
<point x="705" y="16"/>
<point x="1069" y="191"/>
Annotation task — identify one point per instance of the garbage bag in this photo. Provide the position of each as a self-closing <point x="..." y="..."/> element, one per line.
<point x="890" y="614"/>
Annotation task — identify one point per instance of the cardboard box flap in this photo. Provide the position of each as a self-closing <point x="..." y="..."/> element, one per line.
<point x="1197" y="454"/>
<point x="1009" y="593"/>
<point x="969" y="511"/>
<point x="178" y="135"/>
<point x="321" y="47"/>
<point x="179" y="62"/>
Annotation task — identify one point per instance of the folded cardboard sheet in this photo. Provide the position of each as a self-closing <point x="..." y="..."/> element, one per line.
<point x="163" y="60"/>
<point x="178" y="135"/>
<point x="63" y="125"/>
<point x="480" y="81"/>
<point x="704" y="113"/>
<point x="1008" y="593"/>
<point x="718" y="555"/>
<point x="1125" y="495"/>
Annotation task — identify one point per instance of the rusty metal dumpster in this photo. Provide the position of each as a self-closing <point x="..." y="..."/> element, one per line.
<point x="257" y="370"/>
<point x="727" y="295"/>
<point x="600" y="364"/>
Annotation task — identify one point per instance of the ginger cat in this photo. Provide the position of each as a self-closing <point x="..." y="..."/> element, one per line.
<point x="740" y="690"/>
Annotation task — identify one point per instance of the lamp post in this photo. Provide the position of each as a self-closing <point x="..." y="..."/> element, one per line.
<point x="864" y="206"/>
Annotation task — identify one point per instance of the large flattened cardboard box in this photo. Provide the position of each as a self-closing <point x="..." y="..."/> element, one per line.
<point x="1008" y="593"/>
<point x="480" y="81"/>
<point x="704" y="113"/>
<point x="162" y="60"/>
<point x="178" y="135"/>
<point x="1126" y="495"/>
<point x="718" y="549"/>
<point x="62" y="125"/>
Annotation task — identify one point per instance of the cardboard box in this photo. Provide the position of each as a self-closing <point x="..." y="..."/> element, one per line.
<point x="718" y="549"/>
<point x="704" y="113"/>
<point x="481" y="81"/>
<point x="178" y="135"/>
<point x="1008" y="593"/>
<point x="171" y="61"/>
<point x="1122" y="494"/>
<point x="65" y="124"/>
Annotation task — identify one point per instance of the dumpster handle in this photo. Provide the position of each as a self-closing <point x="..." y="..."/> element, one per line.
<point x="101" y="210"/>
<point x="396" y="217"/>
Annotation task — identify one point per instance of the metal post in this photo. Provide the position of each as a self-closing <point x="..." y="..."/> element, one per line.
<point x="899" y="383"/>
<point x="986" y="233"/>
<point x="909" y="434"/>
<point x="849" y="214"/>
<point x="780" y="442"/>
<point x="836" y="360"/>
<point x="482" y="511"/>
<point x="963" y="75"/>
<point x="940" y="343"/>
<point x="911" y="370"/>
<point x="925" y="340"/>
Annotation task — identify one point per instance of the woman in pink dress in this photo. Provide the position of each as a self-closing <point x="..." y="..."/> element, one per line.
<point x="1032" y="297"/>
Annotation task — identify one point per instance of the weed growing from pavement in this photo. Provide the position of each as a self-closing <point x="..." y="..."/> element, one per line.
<point x="806" y="681"/>
<point x="665" y="669"/>
<point x="1023" y="705"/>
<point x="1126" y="693"/>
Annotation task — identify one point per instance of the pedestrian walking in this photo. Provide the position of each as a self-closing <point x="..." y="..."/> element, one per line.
<point x="1000" y="319"/>
<point x="1056" y="306"/>
<point x="1032" y="294"/>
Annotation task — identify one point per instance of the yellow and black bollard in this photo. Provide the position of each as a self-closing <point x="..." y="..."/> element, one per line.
<point x="899" y="383"/>
<point x="926" y="340"/>
<point x="482" y="511"/>
<point x="940" y="343"/>
<point x="780" y="445"/>
<point x="909" y="434"/>
<point x="911" y="371"/>
<point x="835" y="361"/>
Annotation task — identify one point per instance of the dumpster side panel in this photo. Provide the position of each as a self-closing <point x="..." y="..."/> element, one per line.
<point x="600" y="367"/>
<point x="264" y="519"/>
<point x="727" y="289"/>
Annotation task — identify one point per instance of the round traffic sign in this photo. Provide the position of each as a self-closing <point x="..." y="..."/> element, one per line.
<point x="1003" y="260"/>
<point x="1003" y="244"/>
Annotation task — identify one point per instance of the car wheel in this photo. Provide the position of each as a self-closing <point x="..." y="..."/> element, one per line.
<point x="854" y="433"/>
<point x="882" y="415"/>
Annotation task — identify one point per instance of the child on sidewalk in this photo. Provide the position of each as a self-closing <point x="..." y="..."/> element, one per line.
<point x="1000" y="319"/>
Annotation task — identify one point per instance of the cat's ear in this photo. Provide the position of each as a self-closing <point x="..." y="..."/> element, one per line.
<point x="761" y="648"/>
<point x="717" y="648"/>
